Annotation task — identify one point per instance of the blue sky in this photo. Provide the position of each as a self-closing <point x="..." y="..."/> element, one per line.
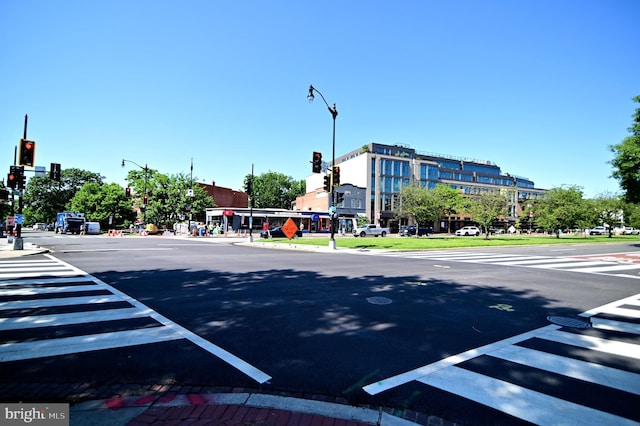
<point x="541" y="88"/>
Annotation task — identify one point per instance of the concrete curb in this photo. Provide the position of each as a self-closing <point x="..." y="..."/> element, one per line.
<point x="120" y="411"/>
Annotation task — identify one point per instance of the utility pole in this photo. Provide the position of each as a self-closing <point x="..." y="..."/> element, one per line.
<point x="251" y="208"/>
<point x="18" y="243"/>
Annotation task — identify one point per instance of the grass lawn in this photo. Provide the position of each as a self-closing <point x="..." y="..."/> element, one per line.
<point x="440" y="242"/>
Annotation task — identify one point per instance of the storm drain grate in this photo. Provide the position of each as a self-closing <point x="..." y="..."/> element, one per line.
<point x="377" y="300"/>
<point x="568" y="322"/>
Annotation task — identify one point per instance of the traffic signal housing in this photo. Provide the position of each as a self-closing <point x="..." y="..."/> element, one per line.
<point x="22" y="179"/>
<point x="316" y="162"/>
<point x="327" y="182"/>
<point x="248" y="187"/>
<point x="12" y="177"/>
<point x="27" y="153"/>
<point x="127" y="192"/>
<point x="336" y="176"/>
<point x="16" y="178"/>
<point x="55" y="172"/>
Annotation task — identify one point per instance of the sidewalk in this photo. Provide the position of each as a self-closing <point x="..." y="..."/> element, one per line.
<point x="7" y="251"/>
<point x="160" y="406"/>
<point x="230" y="409"/>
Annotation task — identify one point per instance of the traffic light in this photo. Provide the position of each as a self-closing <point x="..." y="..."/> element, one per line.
<point x="16" y="178"/>
<point x="327" y="182"/>
<point x="27" y="153"/>
<point x="21" y="178"/>
<point x="336" y="176"/>
<point x="248" y="187"/>
<point x="12" y="177"/>
<point x="339" y="197"/>
<point x="127" y="192"/>
<point x="145" y="199"/>
<point x="316" y="162"/>
<point x="55" y="172"/>
<point x="4" y="195"/>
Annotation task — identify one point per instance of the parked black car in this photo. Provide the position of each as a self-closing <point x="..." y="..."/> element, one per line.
<point x="411" y="230"/>
<point x="277" y="232"/>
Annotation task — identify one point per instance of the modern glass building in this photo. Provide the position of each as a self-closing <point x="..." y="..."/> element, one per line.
<point x="384" y="169"/>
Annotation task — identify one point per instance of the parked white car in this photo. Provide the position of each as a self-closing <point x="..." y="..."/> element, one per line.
<point x="468" y="230"/>
<point x="370" y="229"/>
<point x="598" y="230"/>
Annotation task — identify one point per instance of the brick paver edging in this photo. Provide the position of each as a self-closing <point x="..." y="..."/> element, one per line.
<point x="322" y="408"/>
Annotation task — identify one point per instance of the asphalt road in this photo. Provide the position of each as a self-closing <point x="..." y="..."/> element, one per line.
<point x="317" y="322"/>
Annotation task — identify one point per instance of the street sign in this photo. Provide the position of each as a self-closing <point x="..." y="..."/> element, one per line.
<point x="290" y="228"/>
<point x="19" y="219"/>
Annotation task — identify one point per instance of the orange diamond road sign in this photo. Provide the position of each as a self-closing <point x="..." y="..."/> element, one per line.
<point x="290" y="228"/>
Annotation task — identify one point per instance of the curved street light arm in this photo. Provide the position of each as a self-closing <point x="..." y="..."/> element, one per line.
<point x="311" y="97"/>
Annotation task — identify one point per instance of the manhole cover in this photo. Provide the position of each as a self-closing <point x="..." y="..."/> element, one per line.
<point x="568" y="322"/>
<point x="378" y="300"/>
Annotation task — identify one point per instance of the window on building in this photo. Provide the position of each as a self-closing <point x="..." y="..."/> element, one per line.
<point x="480" y="168"/>
<point x="485" y="179"/>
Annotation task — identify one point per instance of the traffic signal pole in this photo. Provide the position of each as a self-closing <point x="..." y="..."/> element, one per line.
<point x="18" y="243"/>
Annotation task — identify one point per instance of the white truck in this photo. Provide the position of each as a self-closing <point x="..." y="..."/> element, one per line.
<point x="370" y="229"/>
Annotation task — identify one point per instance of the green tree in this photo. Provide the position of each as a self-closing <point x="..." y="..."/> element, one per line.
<point x="626" y="164"/>
<point x="447" y="200"/>
<point x="275" y="190"/>
<point x="417" y="203"/>
<point x="167" y="197"/>
<point x="44" y="197"/>
<point x="485" y="208"/>
<point x="632" y="214"/>
<point x="564" y="208"/>
<point x="609" y="210"/>
<point x="106" y="204"/>
<point x="362" y="220"/>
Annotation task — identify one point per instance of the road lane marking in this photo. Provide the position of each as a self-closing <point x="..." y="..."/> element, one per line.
<point x="55" y="320"/>
<point x="61" y="301"/>
<point x="11" y="289"/>
<point x="86" y="343"/>
<point x="400" y="379"/>
<point x="519" y="401"/>
<point x="594" y="343"/>
<point x="582" y="370"/>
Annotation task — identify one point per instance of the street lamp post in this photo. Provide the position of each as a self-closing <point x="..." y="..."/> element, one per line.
<point x="144" y="196"/>
<point x="334" y="114"/>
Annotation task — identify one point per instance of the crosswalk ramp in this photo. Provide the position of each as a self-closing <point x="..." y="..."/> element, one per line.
<point x="606" y="265"/>
<point x="556" y="374"/>
<point x="51" y="308"/>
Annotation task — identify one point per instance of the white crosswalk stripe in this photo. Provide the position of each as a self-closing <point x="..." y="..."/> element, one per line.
<point x="35" y="295"/>
<point x="52" y="278"/>
<point x="615" y="376"/>
<point x="570" y="264"/>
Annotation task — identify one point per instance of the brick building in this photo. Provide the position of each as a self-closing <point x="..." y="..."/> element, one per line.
<point x="225" y="197"/>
